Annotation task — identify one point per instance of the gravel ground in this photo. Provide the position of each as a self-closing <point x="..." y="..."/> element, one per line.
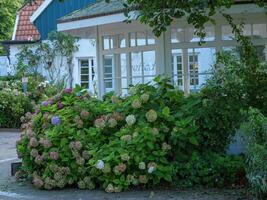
<point x="12" y="190"/>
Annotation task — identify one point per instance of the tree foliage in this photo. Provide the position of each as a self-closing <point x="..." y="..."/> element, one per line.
<point x="8" y="11"/>
<point x="160" y="14"/>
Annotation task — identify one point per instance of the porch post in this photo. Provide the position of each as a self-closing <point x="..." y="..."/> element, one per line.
<point x="99" y="59"/>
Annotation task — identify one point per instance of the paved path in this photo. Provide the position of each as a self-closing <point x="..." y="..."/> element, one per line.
<point x="11" y="190"/>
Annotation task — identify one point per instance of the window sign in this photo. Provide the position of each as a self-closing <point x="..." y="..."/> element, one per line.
<point x="149" y="65"/>
<point x="143" y="66"/>
<point x="136" y="59"/>
<point x="124" y="81"/>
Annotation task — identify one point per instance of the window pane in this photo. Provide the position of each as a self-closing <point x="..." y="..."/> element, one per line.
<point x="84" y="70"/>
<point x="123" y="65"/>
<point x="141" y="38"/>
<point x="150" y="38"/>
<point x="84" y="63"/>
<point x="148" y="79"/>
<point x="136" y="81"/>
<point x="227" y="33"/>
<point x="108" y="73"/>
<point x="106" y="42"/>
<point x="85" y="85"/>
<point x="201" y="61"/>
<point x="210" y="34"/>
<point x="136" y="63"/>
<point x="247" y="30"/>
<point x="259" y="30"/>
<point x="149" y="59"/>
<point x="122" y="41"/>
<point x="132" y="39"/>
<point x="112" y="42"/>
<point x="177" y="35"/>
<point x="84" y="78"/>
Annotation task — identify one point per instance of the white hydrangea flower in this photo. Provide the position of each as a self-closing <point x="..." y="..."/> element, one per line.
<point x="142" y="165"/>
<point x="151" y="169"/>
<point x="133" y="90"/>
<point x="145" y="97"/>
<point x="130" y="120"/>
<point x="100" y="165"/>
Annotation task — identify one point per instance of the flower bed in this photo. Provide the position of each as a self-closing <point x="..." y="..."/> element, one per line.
<point x="142" y="140"/>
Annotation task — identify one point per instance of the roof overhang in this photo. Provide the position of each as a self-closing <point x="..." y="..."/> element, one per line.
<point x="10" y="42"/>
<point x="93" y="21"/>
<point x="39" y="11"/>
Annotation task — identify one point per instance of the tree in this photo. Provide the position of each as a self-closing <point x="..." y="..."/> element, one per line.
<point x="66" y="46"/>
<point x="8" y="11"/>
<point x="160" y="14"/>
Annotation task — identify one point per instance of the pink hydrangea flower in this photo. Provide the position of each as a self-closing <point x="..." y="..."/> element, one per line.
<point x="54" y="155"/>
<point x="33" y="142"/>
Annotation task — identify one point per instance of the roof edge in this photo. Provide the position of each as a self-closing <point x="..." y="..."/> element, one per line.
<point x="39" y="11"/>
<point x="91" y="16"/>
<point x="9" y="42"/>
<point x="59" y="21"/>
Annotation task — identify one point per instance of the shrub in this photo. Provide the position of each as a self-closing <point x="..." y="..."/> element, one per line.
<point x="212" y="170"/>
<point x="256" y="134"/>
<point x="13" y="105"/>
<point x="74" y="139"/>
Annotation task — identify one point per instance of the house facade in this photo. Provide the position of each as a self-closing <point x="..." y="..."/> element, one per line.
<point x="34" y="21"/>
<point x="128" y="54"/>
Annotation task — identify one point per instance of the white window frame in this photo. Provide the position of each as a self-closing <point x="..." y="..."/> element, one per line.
<point x="91" y="66"/>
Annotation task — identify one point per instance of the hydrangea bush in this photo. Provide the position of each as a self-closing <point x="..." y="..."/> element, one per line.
<point x="76" y="140"/>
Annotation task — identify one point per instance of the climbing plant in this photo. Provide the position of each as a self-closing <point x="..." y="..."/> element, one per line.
<point x="54" y="55"/>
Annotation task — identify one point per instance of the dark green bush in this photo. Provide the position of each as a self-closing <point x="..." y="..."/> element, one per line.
<point x="211" y="170"/>
<point x="13" y="105"/>
<point x="256" y="135"/>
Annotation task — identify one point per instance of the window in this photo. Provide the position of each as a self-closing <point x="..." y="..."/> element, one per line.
<point x="227" y="33"/>
<point x="256" y="31"/>
<point x="143" y="67"/>
<point x="193" y="69"/>
<point x="113" y="41"/>
<point x="177" y="35"/>
<point x="87" y="73"/>
<point x="177" y="63"/>
<point x="142" y="38"/>
<point x="210" y="34"/>
<point x="259" y="30"/>
<point x="108" y="73"/>
<point x="192" y="74"/>
<point x="188" y="35"/>
<point x="200" y="62"/>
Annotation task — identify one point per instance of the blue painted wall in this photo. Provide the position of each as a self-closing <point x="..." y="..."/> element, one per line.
<point x="47" y="21"/>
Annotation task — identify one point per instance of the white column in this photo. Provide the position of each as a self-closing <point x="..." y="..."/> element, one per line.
<point x="99" y="58"/>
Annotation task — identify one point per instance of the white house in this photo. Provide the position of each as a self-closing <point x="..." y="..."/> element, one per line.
<point x="128" y="54"/>
<point x="26" y="33"/>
